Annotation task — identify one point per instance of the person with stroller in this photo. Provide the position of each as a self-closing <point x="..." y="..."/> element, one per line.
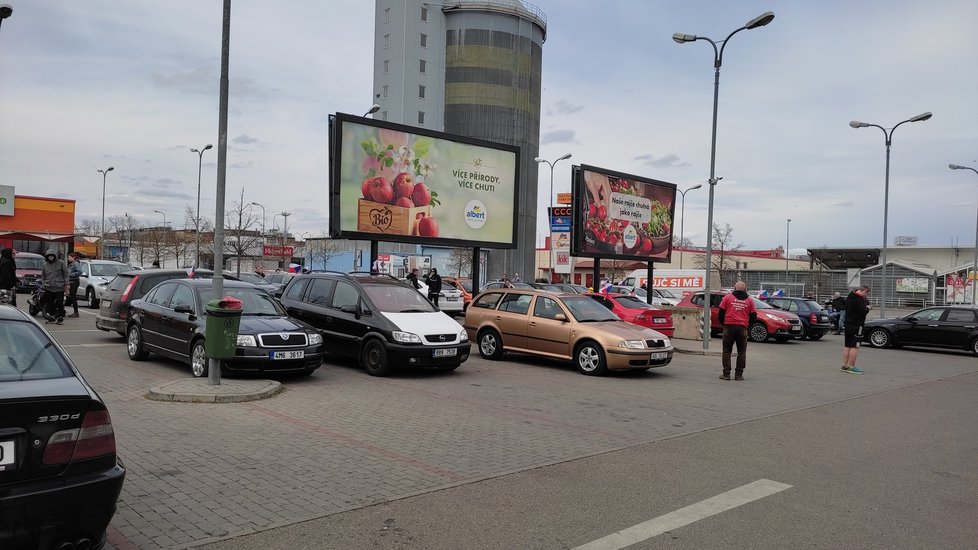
<point x="56" y="280"/>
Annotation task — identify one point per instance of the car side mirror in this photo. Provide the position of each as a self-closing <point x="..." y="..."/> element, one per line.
<point x="184" y="308"/>
<point x="912" y="319"/>
<point x="350" y="309"/>
<point x="560" y="317"/>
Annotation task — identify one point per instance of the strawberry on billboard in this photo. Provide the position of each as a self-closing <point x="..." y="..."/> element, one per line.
<point x="399" y="183"/>
<point x="621" y="216"/>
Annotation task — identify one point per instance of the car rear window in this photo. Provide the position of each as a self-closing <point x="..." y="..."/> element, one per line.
<point x="488" y="301"/>
<point x="26" y="353"/>
<point x="632" y="302"/>
<point x="108" y="270"/>
<point x="815" y="306"/>
<point x="28" y="262"/>
<point x="120" y="282"/>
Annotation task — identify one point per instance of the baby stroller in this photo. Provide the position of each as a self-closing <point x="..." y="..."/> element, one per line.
<point x="35" y="304"/>
<point x="5" y="297"/>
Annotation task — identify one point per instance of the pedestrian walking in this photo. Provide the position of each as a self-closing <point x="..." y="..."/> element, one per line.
<point x="434" y="286"/>
<point x="737" y="312"/>
<point x="413" y="279"/>
<point x="857" y="306"/>
<point x="839" y="305"/>
<point x="74" y="279"/>
<point x="55" y="279"/>
<point x="8" y="274"/>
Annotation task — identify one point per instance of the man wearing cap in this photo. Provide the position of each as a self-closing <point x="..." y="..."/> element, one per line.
<point x="55" y="278"/>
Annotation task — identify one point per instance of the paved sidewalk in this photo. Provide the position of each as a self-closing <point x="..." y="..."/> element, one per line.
<point x="198" y="390"/>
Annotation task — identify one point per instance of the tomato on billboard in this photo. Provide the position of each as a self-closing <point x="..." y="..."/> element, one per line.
<point x="622" y="216"/>
<point x="398" y="183"/>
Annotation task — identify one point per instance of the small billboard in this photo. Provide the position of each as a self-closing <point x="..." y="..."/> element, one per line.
<point x="399" y="183"/>
<point x="621" y="216"/>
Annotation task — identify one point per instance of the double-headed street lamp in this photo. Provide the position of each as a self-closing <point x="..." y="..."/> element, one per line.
<point x="101" y="241"/>
<point x="682" y="224"/>
<point x="888" y="134"/>
<point x="540" y="160"/>
<point x="5" y="11"/>
<point x="200" y="162"/>
<point x="682" y="38"/>
<point x="974" y="266"/>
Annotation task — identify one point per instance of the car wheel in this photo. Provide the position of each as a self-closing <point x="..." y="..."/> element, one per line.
<point x="880" y="338"/>
<point x="490" y="344"/>
<point x="758" y="332"/>
<point x="974" y="346"/>
<point x="374" y="358"/>
<point x="92" y="300"/>
<point x="815" y="336"/>
<point x="198" y="359"/>
<point x="134" y="344"/>
<point x="589" y="358"/>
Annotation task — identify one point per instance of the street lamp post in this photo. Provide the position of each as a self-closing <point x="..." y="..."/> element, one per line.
<point x="373" y="109"/>
<point x="101" y="241"/>
<point x="5" y="11"/>
<point x="974" y="265"/>
<point x="539" y="160"/>
<point x="886" y="192"/>
<point x="285" y="233"/>
<point x="787" y="243"/>
<point x="162" y="261"/>
<point x="682" y="224"/>
<point x="200" y="162"/>
<point x="682" y="38"/>
<point x="262" y="217"/>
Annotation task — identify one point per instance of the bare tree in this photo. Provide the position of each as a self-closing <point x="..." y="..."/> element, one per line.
<point x="88" y="227"/>
<point x="723" y="253"/>
<point x="241" y="237"/>
<point x="460" y="261"/>
<point x="206" y="229"/>
<point x="122" y="229"/>
<point x="615" y="269"/>
<point x="321" y="249"/>
<point x="681" y="243"/>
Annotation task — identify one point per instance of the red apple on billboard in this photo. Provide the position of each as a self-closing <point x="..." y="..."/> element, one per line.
<point x="404" y="185"/>
<point x="428" y="227"/>
<point x="421" y="195"/>
<point x="406" y="202"/>
<point x="380" y="190"/>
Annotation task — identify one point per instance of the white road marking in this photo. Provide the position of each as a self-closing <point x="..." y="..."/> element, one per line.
<point x="684" y="516"/>
<point x="90" y="345"/>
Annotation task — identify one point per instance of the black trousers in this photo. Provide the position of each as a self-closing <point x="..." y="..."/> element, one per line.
<point x="54" y="303"/>
<point x="433" y="296"/>
<point x="734" y="334"/>
<point x="72" y="298"/>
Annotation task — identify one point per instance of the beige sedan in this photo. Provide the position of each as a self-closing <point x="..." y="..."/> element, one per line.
<point x="563" y="326"/>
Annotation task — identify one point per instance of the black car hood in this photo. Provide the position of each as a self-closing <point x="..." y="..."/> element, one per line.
<point x="255" y="324"/>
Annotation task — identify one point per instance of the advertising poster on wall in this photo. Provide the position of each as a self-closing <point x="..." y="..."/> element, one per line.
<point x="958" y="288"/>
<point x="913" y="284"/>
<point x="621" y="216"/>
<point x="398" y="183"/>
<point x="560" y="226"/>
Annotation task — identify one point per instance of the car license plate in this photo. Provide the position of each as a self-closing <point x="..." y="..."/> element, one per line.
<point x="659" y="320"/>
<point x="106" y="303"/>
<point x="659" y="355"/>
<point x="446" y="352"/>
<point x="451" y="298"/>
<point x="8" y="455"/>
<point x="796" y="328"/>
<point x="286" y="355"/>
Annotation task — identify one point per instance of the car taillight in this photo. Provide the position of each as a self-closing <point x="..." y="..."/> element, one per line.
<point x="813" y="318"/>
<point x="125" y="294"/>
<point x="94" y="438"/>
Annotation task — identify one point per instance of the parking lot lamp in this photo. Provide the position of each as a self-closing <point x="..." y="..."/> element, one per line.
<point x="373" y="109"/>
<point x="262" y="217"/>
<point x="101" y="241"/>
<point x="683" y="38"/>
<point x="6" y="10"/>
<point x="888" y="135"/>
<point x="200" y="162"/>
<point x="974" y="265"/>
<point x="539" y="160"/>
<point x="787" y="240"/>
<point x="164" y="233"/>
<point x="682" y="224"/>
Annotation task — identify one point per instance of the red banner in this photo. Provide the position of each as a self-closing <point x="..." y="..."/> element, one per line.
<point x="277" y="250"/>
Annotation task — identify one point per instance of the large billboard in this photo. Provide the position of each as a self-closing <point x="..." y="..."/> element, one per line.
<point x="621" y="216"/>
<point x="399" y="183"/>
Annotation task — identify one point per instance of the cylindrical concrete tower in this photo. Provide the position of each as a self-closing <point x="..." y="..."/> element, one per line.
<point x="492" y="91"/>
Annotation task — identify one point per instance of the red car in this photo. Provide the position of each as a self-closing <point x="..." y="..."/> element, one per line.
<point x="635" y="310"/>
<point x="771" y="322"/>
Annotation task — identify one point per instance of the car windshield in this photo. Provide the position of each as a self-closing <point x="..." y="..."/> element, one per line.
<point x="397" y="299"/>
<point x="109" y="270"/>
<point x="640" y="292"/>
<point x="26" y="353"/>
<point x="633" y="302"/>
<point x="254" y="301"/>
<point x="761" y="304"/>
<point x="586" y="310"/>
<point x="28" y="263"/>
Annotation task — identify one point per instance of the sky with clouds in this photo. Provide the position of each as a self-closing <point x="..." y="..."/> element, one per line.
<point x="135" y="85"/>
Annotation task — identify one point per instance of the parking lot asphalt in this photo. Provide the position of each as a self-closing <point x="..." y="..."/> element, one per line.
<point x="340" y="440"/>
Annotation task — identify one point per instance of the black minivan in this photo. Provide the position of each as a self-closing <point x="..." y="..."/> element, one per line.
<point x="379" y="320"/>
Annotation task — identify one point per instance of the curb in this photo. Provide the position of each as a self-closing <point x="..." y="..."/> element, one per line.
<point x="196" y="390"/>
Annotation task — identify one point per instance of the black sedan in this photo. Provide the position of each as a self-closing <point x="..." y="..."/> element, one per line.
<point x="170" y="321"/>
<point x="59" y="473"/>
<point x="954" y="327"/>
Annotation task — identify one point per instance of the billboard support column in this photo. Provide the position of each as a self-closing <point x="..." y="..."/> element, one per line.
<point x="596" y="276"/>
<point x="476" y="269"/>
<point x="648" y="284"/>
<point x="374" y="253"/>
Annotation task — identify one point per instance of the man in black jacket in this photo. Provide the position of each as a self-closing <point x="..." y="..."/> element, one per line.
<point x="8" y="274"/>
<point x="74" y="279"/>
<point x="413" y="279"/>
<point x="857" y="306"/>
<point x="434" y="286"/>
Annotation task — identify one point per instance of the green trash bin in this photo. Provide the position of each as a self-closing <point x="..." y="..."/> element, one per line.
<point x="221" y="327"/>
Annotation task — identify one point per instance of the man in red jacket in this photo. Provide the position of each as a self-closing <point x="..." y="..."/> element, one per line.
<point x="737" y="312"/>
